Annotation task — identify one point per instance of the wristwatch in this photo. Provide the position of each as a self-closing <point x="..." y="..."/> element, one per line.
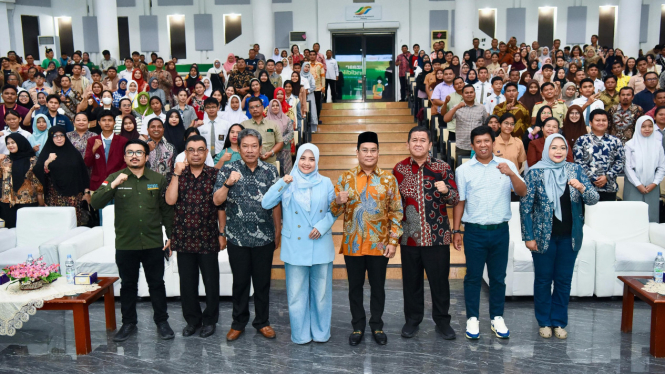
<point x="222" y="234"/>
<point x="227" y="186"/>
<point x="456" y="231"/>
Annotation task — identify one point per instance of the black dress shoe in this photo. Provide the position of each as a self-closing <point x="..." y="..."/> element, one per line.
<point x="125" y="331"/>
<point x="190" y="330"/>
<point x="380" y="337"/>
<point x="446" y="332"/>
<point x="207" y="330"/>
<point x="356" y="337"/>
<point x="165" y="331"/>
<point x="409" y="331"/>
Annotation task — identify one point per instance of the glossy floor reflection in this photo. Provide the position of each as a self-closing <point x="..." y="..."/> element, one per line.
<point x="595" y="343"/>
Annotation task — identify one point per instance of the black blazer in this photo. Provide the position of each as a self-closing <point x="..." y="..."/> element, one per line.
<point x="472" y="52"/>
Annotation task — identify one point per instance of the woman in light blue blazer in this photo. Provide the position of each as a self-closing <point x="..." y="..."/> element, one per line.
<point x="307" y="245"/>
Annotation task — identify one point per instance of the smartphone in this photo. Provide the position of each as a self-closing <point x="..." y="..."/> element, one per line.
<point x="166" y="254"/>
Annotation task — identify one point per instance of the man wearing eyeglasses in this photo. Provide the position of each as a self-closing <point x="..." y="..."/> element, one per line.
<point x="140" y="211"/>
<point x="198" y="246"/>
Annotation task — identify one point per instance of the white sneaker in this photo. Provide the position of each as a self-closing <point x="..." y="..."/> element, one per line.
<point x="499" y="328"/>
<point x="472" y="328"/>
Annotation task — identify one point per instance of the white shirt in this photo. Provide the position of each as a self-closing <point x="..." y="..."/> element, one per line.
<point x="146" y="121"/>
<point x="493" y="101"/>
<point x="332" y="69"/>
<point x="126" y="74"/>
<point x="488" y="91"/>
<point x="209" y="161"/>
<point x="599" y="85"/>
<point x="582" y="100"/>
<point x="221" y="131"/>
<point x="7" y="131"/>
<point x="103" y="138"/>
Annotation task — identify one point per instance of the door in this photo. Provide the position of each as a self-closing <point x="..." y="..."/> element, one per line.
<point x="30" y="27"/>
<point x="366" y="64"/>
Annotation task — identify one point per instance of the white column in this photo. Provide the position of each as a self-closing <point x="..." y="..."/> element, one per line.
<point x="465" y="24"/>
<point x="264" y="26"/>
<point x="628" y="27"/>
<point x="5" y="43"/>
<point x="107" y="27"/>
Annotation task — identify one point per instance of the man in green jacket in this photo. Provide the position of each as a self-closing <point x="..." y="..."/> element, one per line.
<point x="140" y="212"/>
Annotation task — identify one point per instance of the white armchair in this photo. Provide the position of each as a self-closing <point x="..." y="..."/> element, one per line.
<point x="520" y="273"/>
<point x="38" y="231"/>
<point x="627" y="243"/>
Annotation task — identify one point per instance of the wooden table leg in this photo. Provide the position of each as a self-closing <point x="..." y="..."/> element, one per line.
<point x="109" y="309"/>
<point x="82" y="329"/>
<point x="657" y="345"/>
<point x="627" y="309"/>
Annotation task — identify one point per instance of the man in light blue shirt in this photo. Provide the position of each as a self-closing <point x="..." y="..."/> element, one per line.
<point x="484" y="184"/>
<point x="443" y="89"/>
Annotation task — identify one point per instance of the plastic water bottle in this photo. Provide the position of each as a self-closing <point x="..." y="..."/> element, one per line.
<point x="30" y="260"/>
<point x="70" y="269"/>
<point x="658" y="267"/>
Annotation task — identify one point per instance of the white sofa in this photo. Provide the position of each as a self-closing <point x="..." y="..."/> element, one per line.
<point x="38" y="231"/>
<point x="94" y="251"/>
<point x="520" y="273"/>
<point x="627" y="243"/>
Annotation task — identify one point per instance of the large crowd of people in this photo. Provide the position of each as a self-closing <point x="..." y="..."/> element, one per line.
<point x="552" y="128"/>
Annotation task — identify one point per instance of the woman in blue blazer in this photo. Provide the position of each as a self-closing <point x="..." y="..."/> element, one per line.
<point x="307" y="245"/>
<point x="552" y="216"/>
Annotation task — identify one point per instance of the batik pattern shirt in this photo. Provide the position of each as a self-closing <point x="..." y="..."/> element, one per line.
<point x="239" y="79"/>
<point x="372" y="215"/>
<point x="247" y="223"/>
<point x="71" y="103"/>
<point x="425" y="222"/>
<point x="29" y="190"/>
<point x="162" y="158"/>
<point x="80" y="142"/>
<point x="600" y="156"/>
<point x="623" y="121"/>
<point x="522" y="118"/>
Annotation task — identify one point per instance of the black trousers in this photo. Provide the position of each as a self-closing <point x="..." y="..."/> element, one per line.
<point x="189" y="265"/>
<point x="375" y="266"/>
<point x="435" y="260"/>
<point x="402" y="88"/>
<point x="607" y="196"/>
<point x="333" y="89"/>
<point x="250" y="265"/>
<point x="129" y="262"/>
<point x="8" y="214"/>
<point x="317" y="99"/>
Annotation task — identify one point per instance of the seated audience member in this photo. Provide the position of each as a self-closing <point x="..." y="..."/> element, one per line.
<point x="601" y="156"/>
<point x="535" y="152"/>
<point x="624" y="115"/>
<point x="645" y="167"/>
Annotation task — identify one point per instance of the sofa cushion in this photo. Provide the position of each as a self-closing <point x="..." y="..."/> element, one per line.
<point x="620" y="221"/>
<point x="101" y="260"/>
<point x="35" y="225"/>
<point x="635" y="256"/>
<point x="17" y="255"/>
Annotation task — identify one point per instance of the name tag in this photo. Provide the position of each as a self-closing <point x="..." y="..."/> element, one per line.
<point x="153" y="187"/>
<point x="220" y="137"/>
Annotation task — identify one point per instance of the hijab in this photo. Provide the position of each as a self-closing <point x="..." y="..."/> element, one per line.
<point x="39" y="137"/>
<point x="120" y="91"/>
<point x="286" y="70"/>
<point x="554" y="175"/>
<point x="216" y="82"/>
<point x="51" y="75"/>
<point x="296" y="85"/>
<point x="228" y="65"/>
<point x="143" y="110"/>
<point x="471" y="81"/>
<point x="128" y="93"/>
<point x="234" y="116"/>
<point x="173" y="71"/>
<point x="175" y="134"/>
<point x="283" y="103"/>
<point x="150" y="89"/>
<point x="68" y="173"/>
<point x="280" y="118"/>
<point x="21" y="159"/>
<point x="529" y="100"/>
<point x="308" y="76"/>
<point x="190" y="82"/>
<point x="573" y="130"/>
<point x="140" y="82"/>
<point x="129" y="135"/>
<point x="555" y="78"/>
<point x="647" y="152"/>
<point x="544" y="56"/>
<point x="267" y="89"/>
<point x="518" y="65"/>
<point x="568" y="99"/>
<point x="208" y="90"/>
<point x="300" y="189"/>
<point x="531" y="70"/>
<point x="30" y="103"/>
<point x="276" y="57"/>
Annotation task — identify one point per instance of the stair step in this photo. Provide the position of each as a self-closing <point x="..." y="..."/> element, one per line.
<point x="365" y="106"/>
<point x="350" y="149"/>
<point x="365" y="112"/>
<point x="377" y="127"/>
<point x="391" y="137"/>
<point x="348" y="120"/>
<point x="348" y="162"/>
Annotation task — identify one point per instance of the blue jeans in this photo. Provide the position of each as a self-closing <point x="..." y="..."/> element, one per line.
<point x="555" y="265"/>
<point x="485" y="247"/>
<point x="309" y="291"/>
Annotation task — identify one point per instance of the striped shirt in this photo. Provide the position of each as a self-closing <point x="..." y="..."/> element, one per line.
<point x="468" y="118"/>
<point x="485" y="191"/>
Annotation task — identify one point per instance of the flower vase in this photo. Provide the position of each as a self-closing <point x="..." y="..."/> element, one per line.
<point x="28" y="286"/>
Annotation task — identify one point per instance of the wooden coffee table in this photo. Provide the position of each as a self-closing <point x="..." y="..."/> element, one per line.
<point x="79" y="305"/>
<point x="633" y="287"/>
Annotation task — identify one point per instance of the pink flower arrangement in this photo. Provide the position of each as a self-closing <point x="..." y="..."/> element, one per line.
<point x="29" y="273"/>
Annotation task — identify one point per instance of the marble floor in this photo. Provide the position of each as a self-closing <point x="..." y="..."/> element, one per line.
<point x="45" y="344"/>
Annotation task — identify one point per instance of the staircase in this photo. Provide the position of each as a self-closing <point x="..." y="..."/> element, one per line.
<point x="337" y="139"/>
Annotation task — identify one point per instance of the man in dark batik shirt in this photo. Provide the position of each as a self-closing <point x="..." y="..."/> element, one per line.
<point x="252" y="232"/>
<point x="427" y="187"/>
<point x="239" y="78"/>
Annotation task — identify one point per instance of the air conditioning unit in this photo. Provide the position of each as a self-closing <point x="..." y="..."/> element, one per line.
<point x="52" y="42"/>
<point x="298" y="38"/>
<point x="439" y="36"/>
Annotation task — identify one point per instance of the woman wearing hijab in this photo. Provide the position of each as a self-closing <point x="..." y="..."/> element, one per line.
<point x="20" y="187"/>
<point x="560" y="76"/>
<point x="544" y="55"/>
<point x="129" y="129"/>
<point x="217" y="76"/>
<point x="120" y="92"/>
<point x="233" y="112"/>
<point x="518" y="64"/>
<point x="62" y="171"/>
<point x="420" y="80"/>
<point x="574" y="125"/>
<point x="286" y="70"/>
<point x="193" y="77"/>
<point x="25" y="100"/>
<point x="531" y="96"/>
<point x="533" y="154"/>
<point x="255" y="91"/>
<point x="286" y="126"/>
<point x="306" y="76"/>
<point x="170" y="67"/>
<point x="174" y="130"/>
<point x="569" y="93"/>
<point x="552" y="216"/>
<point x="51" y="73"/>
<point x="229" y="63"/>
<point x="154" y="89"/>
<point x="267" y="89"/>
<point x="143" y="104"/>
<point x="536" y="130"/>
<point x="533" y="67"/>
<point x="471" y="77"/>
<point x="132" y="91"/>
<point x="307" y="245"/>
<point x="645" y="167"/>
<point x="138" y="78"/>
<point x="40" y="126"/>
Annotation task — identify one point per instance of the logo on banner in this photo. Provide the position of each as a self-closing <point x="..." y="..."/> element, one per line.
<point x="363" y="10"/>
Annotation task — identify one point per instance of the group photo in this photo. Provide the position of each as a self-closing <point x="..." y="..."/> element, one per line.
<point x="300" y="186"/>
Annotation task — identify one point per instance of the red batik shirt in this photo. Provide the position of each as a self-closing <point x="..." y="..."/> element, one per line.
<point x="425" y="221"/>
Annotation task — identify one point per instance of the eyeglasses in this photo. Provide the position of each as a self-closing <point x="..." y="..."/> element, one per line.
<point x="195" y="151"/>
<point x="134" y="153"/>
<point x="57" y="136"/>
<point x="574" y="114"/>
<point x="651" y="79"/>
